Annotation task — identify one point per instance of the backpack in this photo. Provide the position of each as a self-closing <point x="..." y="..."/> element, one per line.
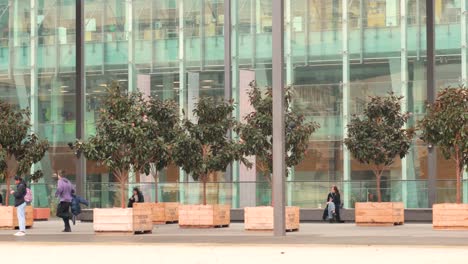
<point x="28" y="197"/>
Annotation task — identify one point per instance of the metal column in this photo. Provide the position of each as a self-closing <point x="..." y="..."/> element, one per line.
<point x="279" y="166"/>
<point x="307" y="32"/>
<point x="33" y="71"/>
<point x="464" y="73"/>
<point x="432" y="154"/>
<point x="203" y="35"/>
<point x="33" y="65"/>
<point x="289" y="81"/>
<point x="131" y="44"/>
<point x="345" y="88"/>
<point x="182" y="84"/>
<point x="404" y="91"/>
<point x="11" y="44"/>
<point x="80" y="94"/>
<point x="229" y="92"/>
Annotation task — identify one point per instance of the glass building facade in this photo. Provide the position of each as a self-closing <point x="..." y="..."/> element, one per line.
<point x="337" y="53"/>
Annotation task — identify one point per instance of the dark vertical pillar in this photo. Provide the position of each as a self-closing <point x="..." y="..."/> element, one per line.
<point x="80" y="94"/>
<point x="279" y="166"/>
<point x="432" y="154"/>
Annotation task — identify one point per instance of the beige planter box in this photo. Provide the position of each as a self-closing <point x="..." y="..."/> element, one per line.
<point x="204" y="216"/>
<point x="123" y="220"/>
<point x="41" y="214"/>
<point x="379" y="214"/>
<point x="9" y="220"/>
<point x="165" y="213"/>
<point x="450" y="216"/>
<point x="261" y="218"/>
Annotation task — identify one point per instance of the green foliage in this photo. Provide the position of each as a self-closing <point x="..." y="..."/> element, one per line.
<point x="377" y="137"/>
<point x="126" y="138"/>
<point x="446" y="123"/>
<point x="257" y="132"/>
<point x="446" y="126"/>
<point x="19" y="149"/>
<point x="204" y="147"/>
<point x="166" y="129"/>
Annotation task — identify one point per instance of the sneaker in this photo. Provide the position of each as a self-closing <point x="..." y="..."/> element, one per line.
<point x="20" y="233"/>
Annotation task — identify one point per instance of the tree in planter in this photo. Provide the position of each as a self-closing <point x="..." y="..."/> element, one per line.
<point x="446" y="126"/>
<point x="204" y="148"/>
<point x="377" y="137"/>
<point x="166" y="129"/>
<point x="19" y="149"/>
<point x="124" y="138"/>
<point x="257" y="132"/>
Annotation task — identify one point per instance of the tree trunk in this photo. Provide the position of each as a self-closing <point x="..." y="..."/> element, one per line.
<point x="156" y="186"/>
<point x="379" y="194"/>
<point x="122" y="176"/>
<point x="270" y="182"/>
<point x="459" y="171"/>
<point x="7" y="195"/>
<point x="204" y="189"/>
<point x="122" y="195"/>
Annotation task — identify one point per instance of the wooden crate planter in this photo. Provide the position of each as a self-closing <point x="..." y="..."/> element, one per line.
<point x="164" y="213"/>
<point x="204" y="216"/>
<point x="379" y="214"/>
<point x="450" y="216"/>
<point x="9" y="220"/>
<point x="41" y="214"/>
<point x="260" y="218"/>
<point x="123" y="220"/>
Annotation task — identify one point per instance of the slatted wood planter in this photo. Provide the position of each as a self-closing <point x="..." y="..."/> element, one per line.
<point x="450" y="216"/>
<point x="123" y="220"/>
<point x="204" y="216"/>
<point x="164" y="213"/>
<point x="41" y="214"/>
<point x="379" y="214"/>
<point x="260" y="218"/>
<point x="9" y="220"/>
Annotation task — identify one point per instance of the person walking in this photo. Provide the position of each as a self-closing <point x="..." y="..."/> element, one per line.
<point x="75" y="205"/>
<point x="20" y="205"/>
<point x="137" y="197"/>
<point x="64" y="193"/>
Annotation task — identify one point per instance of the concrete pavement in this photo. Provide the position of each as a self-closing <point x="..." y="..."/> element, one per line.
<point x="309" y="234"/>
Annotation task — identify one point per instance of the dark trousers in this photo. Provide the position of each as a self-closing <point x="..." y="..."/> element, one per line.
<point x="63" y="211"/>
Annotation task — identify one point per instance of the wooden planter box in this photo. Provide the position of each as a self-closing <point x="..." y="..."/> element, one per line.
<point x="260" y="218"/>
<point x="123" y="220"/>
<point x="9" y="220"/>
<point x="41" y="214"/>
<point x="379" y="214"/>
<point x="204" y="216"/>
<point x="165" y="213"/>
<point x="450" y="216"/>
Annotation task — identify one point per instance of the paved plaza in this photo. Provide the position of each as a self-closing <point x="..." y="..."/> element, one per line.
<point x="315" y="242"/>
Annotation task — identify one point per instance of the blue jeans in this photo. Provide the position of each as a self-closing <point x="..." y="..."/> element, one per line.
<point x="21" y="214"/>
<point x="331" y="210"/>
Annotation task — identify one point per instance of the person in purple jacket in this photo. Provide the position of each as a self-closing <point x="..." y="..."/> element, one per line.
<point x="64" y="193"/>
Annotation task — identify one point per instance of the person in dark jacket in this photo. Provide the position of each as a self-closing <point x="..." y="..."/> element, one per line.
<point x="64" y="193"/>
<point x="20" y="205"/>
<point x="75" y="205"/>
<point x="335" y="198"/>
<point x="137" y="197"/>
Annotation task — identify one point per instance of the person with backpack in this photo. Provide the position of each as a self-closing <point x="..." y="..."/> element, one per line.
<point x="64" y="193"/>
<point x="75" y="205"/>
<point x="20" y="205"/>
